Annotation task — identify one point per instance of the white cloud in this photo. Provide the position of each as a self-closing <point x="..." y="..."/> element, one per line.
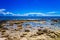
<point x="35" y="14"/>
<point x="20" y="14"/>
<point x="52" y="12"/>
<point x="31" y="14"/>
<point x="2" y="11"/>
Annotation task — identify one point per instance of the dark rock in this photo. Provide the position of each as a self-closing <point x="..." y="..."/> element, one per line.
<point x="40" y="33"/>
<point x="22" y="36"/>
<point x="27" y="30"/>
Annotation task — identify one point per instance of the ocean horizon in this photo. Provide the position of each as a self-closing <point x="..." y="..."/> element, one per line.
<point x="28" y="17"/>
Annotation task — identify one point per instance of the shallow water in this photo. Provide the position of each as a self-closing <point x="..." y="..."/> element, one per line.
<point x="55" y="26"/>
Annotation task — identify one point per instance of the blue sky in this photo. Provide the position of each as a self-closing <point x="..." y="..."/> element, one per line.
<point x="29" y="7"/>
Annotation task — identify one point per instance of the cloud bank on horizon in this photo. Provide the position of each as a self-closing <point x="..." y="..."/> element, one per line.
<point x="4" y="13"/>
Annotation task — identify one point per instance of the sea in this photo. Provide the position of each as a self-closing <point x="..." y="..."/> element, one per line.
<point x="28" y="17"/>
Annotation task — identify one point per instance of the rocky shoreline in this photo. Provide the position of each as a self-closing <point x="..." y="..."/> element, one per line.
<point x="35" y="34"/>
<point x="13" y="30"/>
